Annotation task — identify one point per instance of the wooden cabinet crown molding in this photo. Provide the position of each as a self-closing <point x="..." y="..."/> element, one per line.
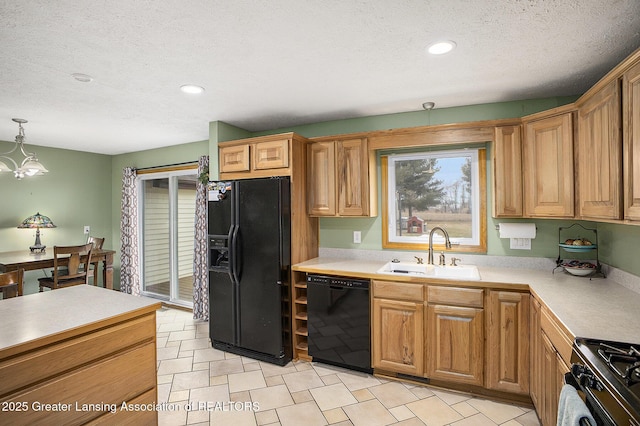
<point x="614" y="75"/>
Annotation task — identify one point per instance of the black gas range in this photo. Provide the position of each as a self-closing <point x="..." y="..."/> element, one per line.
<point x="608" y="373"/>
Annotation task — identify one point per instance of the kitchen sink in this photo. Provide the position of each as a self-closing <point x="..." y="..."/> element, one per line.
<point x="405" y="268"/>
<point x="463" y="272"/>
<point x="460" y="272"/>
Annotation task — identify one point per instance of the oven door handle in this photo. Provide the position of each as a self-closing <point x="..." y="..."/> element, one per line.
<point x="569" y="379"/>
<point x="596" y="406"/>
<point x="597" y="410"/>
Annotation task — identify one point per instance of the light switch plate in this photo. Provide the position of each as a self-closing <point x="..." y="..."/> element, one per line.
<point x="357" y="237"/>
<point x="87" y="229"/>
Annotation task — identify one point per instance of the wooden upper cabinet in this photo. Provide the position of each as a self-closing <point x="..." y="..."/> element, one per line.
<point x="508" y="342"/>
<point x="262" y="156"/>
<point x="631" y="141"/>
<point x="353" y="172"/>
<point x="321" y="181"/>
<point x="340" y="178"/>
<point x="507" y="172"/>
<point x="234" y="159"/>
<point x="271" y="154"/>
<point x="600" y="154"/>
<point x="548" y="167"/>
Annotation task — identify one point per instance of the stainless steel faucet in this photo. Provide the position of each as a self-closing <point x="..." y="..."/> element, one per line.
<point x="447" y="242"/>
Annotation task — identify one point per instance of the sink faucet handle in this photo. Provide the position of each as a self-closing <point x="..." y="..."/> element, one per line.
<point x="419" y="260"/>
<point x="454" y="260"/>
<point x="442" y="261"/>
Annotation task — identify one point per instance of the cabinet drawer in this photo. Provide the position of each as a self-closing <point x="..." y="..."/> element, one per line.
<point x="456" y="296"/>
<point x="132" y="417"/>
<point x="271" y="155"/>
<point x="113" y="380"/>
<point x="49" y="361"/>
<point x="234" y="159"/>
<point x="560" y="339"/>
<point x="401" y="291"/>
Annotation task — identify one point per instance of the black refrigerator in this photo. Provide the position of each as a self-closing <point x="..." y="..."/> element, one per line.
<point x="249" y="226"/>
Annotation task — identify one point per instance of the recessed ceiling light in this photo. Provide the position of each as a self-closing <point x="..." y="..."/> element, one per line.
<point x="84" y="78"/>
<point x="192" y="89"/>
<point x="441" y="47"/>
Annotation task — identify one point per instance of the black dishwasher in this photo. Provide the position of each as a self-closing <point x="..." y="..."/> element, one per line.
<point x="338" y="321"/>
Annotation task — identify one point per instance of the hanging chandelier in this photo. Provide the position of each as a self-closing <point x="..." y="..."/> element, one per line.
<point x="29" y="166"/>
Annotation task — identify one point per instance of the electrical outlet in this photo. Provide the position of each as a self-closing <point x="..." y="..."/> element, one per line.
<point x="87" y="229"/>
<point x="357" y="237"/>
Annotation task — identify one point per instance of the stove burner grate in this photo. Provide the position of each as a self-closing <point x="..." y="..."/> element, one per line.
<point x="624" y="362"/>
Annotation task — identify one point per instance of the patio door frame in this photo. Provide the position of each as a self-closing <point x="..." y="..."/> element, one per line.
<point x="171" y="173"/>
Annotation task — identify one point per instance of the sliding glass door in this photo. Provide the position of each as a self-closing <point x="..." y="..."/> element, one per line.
<point x="167" y="214"/>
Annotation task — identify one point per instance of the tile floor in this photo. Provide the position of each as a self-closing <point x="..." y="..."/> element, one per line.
<point x="204" y="386"/>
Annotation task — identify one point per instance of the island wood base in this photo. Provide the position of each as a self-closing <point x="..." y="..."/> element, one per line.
<point x="84" y="374"/>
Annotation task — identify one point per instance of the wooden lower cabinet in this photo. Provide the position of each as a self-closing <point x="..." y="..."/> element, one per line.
<point x="502" y="342"/>
<point x="535" y="360"/>
<point x="549" y="362"/>
<point x="508" y="341"/>
<point x="397" y="338"/>
<point x="548" y="410"/>
<point x="455" y="344"/>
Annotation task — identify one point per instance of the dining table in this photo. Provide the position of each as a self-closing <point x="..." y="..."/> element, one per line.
<point x="24" y="259"/>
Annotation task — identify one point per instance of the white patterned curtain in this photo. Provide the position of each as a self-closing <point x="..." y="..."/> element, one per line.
<point x="200" y="264"/>
<point x="129" y="274"/>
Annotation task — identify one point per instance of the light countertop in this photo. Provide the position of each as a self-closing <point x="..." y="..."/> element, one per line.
<point x="37" y="316"/>
<point x="597" y="308"/>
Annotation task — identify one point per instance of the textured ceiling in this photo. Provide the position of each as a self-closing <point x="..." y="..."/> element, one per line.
<point x="271" y="64"/>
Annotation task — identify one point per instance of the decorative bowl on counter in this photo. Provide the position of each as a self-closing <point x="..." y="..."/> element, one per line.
<point x="577" y="249"/>
<point x="577" y="245"/>
<point x="578" y="268"/>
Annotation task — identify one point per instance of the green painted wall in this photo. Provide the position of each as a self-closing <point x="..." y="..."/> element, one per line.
<point x="75" y="192"/>
<point x="462" y="114"/>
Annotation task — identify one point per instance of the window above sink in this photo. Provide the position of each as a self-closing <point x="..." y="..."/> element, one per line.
<point x="445" y="188"/>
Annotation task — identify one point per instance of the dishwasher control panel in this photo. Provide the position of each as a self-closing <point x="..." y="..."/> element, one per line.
<point x="338" y="281"/>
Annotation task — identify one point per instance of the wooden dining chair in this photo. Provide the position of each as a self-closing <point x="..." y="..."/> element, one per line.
<point x="96" y="241"/>
<point x="70" y="266"/>
<point x="97" y="244"/>
<point x="11" y="283"/>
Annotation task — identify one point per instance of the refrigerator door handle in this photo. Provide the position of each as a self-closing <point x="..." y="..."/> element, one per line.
<point x="235" y="254"/>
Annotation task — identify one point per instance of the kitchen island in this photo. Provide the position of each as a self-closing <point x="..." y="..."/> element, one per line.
<point x="77" y="355"/>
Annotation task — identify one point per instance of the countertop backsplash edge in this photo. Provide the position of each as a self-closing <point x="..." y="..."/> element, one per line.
<point x="625" y="279"/>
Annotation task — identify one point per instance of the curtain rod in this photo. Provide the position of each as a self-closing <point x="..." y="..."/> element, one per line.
<point x="168" y="167"/>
